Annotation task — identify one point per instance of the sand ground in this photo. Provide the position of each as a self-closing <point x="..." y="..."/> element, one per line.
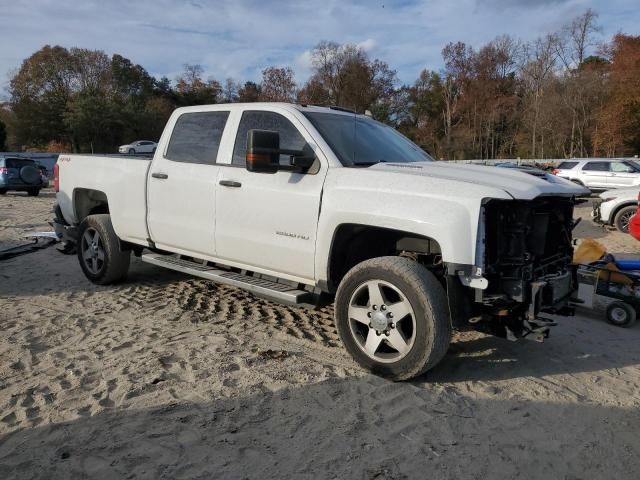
<point x="165" y="376"/>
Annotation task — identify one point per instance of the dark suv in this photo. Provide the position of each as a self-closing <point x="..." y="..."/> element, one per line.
<point x="20" y="174"/>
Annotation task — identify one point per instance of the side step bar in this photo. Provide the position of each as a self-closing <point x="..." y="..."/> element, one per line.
<point x="278" y="292"/>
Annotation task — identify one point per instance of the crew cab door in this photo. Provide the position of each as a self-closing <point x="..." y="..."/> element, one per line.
<point x="269" y="221"/>
<point x="182" y="183"/>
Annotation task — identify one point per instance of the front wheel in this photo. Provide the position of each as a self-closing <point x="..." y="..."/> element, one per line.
<point x="99" y="252"/>
<point x="392" y="317"/>
<point x="3" y="191"/>
<point x="622" y="218"/>
<point x="132" y="151"/>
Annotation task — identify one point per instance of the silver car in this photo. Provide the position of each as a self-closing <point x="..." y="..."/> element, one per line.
<point x="600" y="173"/>
<point x="139" y="146"/>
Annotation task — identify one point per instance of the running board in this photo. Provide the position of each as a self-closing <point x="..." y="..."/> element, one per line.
<point x="278" y="292"/>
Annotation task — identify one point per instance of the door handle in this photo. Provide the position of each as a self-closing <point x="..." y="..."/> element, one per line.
<point x="230" y="183"/>
<point x="161" y="176"/>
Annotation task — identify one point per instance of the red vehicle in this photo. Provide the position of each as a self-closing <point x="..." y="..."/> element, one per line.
<point x="634" y="223"/>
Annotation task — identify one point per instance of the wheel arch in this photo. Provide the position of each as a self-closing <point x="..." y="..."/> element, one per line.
<point x="616" y="210"/>
<point x="353" y="243"/>
<point x="89" y="202"/>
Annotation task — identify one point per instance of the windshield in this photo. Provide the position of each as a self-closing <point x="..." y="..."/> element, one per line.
<point x="361" y="141"/>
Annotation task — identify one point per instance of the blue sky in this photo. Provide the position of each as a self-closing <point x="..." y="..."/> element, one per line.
<point x="239" y="38"/>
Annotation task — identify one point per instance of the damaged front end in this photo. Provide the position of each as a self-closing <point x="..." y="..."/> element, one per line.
<point x="526" y="249"/>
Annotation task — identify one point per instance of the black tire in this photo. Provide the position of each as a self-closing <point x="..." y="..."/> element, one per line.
<point x="115" y="263"/>
<point x="33" y="192"/>
<point x="132" y="151"/>
<point x="622" y="217"/>
<point x="3" y="191"/>
<point x="30" y="175"/>
<point x="621" y="314"/>
<point x="428" y="300"/>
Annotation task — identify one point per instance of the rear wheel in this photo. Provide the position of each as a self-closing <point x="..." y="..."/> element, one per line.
<point x="392" y="317"/>
<point x="33" y="192"/>
<point x="99" y="252"/>
<point x="621" y="314"/>
<point x="3" y="191"/>
<point x="623" y="216"/>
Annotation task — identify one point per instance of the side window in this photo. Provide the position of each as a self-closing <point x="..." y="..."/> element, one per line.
<point x="621" y="167"/>
<point x="290" y="137"/>
<point x="596" y="167"/>
<point x="567" y="165"/>
<point x="196" y="137"/>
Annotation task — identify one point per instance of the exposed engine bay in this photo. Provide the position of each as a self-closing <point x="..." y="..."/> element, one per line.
<point x="527" y="252"/>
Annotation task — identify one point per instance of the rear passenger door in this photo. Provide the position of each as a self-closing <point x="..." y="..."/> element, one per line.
<point x="182" y="183"/>
<point x="596" y="174"/>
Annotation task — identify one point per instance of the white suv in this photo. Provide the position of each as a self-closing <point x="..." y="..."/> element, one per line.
<point x="600" y="173"/>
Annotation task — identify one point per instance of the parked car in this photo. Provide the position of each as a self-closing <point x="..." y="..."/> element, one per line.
<point x="304" y="204"/>
<point x="616" y="207"/>
<point x="600" y="173"/>
<point x="139" y="146"/>
<point x="20" y="174"/>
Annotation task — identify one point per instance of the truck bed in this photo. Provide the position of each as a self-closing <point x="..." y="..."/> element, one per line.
<point x="121" y="178"/>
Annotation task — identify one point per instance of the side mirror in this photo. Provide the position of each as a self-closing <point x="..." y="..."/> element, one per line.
<point x="263" y="151"/>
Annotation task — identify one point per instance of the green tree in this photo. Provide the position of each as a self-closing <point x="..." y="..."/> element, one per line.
<point x="3" y="136"/>
<point x="249" y="92"/>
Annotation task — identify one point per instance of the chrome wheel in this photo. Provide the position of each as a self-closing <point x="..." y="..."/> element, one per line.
<point x="382" y="321"/>
<point x="92" y="250"/>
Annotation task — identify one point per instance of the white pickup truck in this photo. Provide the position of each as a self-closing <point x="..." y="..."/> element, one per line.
<point x="299" y="203"/>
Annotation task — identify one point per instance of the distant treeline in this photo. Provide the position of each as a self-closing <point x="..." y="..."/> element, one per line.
<point x="558" y="96"/>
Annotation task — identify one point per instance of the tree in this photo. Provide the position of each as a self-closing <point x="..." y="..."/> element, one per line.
<point x="278" y="85"/>
<point x="618" y="128"/>
<point x="343" y="75"/>
<point x="249" y="92"/>
<point x="540" y="62"/>
<point x="191" y="89"/>
<point x="3" y="136"/>
<point x="230" y="90"/>
<point x="39" y="94"/>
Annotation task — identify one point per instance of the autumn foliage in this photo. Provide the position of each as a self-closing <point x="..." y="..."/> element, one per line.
<point x="561" y="95"/>
<point x="618" y="131"/>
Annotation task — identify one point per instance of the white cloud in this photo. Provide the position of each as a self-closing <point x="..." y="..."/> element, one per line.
<point x="368" y="45"/>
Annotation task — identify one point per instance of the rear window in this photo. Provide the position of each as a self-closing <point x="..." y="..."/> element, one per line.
<point x="196" y="137"/>
<point x="596" y="166"/>
<point x="567" y="165"/>
<point x="18" y="162"/>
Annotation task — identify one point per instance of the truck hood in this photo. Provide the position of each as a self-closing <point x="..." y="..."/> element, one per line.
<point x="516" y="183"/>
